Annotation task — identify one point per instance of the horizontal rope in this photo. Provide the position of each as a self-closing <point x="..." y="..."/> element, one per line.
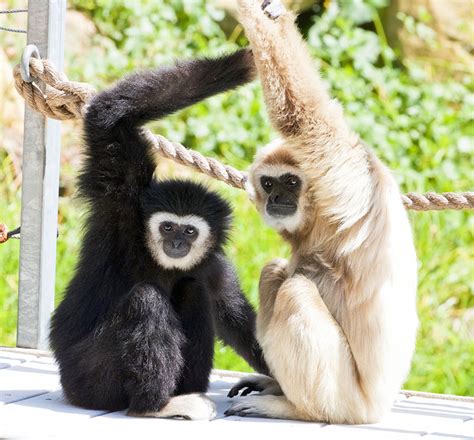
<point x="63" y="99"/>
<point x="17" y="31"/>
<point x="13" y="11"/>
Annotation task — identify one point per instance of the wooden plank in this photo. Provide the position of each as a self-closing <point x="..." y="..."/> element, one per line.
<point x="221" y="427"/>
<point x="10" y="361"/>
<point x="26" y="380"/>
<point x="417" y="416"/>
<point x="440" y="407"/>
<point x="36" y="409"/>
<point x="40" y="183"/>
<point x="463" y="431"/>
<point x="47" y="414"/>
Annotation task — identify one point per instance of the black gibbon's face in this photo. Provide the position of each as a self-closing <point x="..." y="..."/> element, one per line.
<point x="178" y="242"/>
<point x="178" y="239"/>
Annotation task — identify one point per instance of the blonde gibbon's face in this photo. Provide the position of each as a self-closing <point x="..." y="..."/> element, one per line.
<point x="277" y="188"/>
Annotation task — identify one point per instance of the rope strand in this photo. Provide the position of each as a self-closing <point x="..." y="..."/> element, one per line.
<point x="64" y="99"/>
<point x="13" y="11"/>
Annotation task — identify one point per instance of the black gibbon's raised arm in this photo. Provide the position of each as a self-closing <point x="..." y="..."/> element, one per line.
<point x="337" y="322"/>
<point x="152" y="286"/>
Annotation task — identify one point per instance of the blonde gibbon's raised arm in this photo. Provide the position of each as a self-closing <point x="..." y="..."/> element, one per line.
<point x="309" y="120"/>
<point x="296" y="98"/>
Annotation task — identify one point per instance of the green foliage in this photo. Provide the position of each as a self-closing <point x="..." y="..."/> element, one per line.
<point x="422" y="129"/>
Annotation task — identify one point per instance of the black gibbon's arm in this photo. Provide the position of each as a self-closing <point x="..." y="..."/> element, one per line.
<point x="118" y="161"/>
<point x="235" y="317"/>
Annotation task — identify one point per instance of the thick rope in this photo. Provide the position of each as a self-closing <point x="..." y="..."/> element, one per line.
<point x="63" y="99"/>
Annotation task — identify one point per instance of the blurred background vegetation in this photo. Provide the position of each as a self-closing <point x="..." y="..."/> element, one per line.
<point x="405" y="89"/>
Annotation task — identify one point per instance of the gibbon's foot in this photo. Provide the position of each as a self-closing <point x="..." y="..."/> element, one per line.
<point x="273" y="8"/>
<point x="242" y="409"/>
<point x="263" y="384"/>
<point x="276" y="407"/>
<point x="183" y="407"/>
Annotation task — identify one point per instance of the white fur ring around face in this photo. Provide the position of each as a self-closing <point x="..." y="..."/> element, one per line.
<point x="273" y="8"/>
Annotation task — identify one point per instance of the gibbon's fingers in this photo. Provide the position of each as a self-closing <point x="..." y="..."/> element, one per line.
<point x="186" y="407"/>
<point x="261" y="383"/>
<point x="246" y="385"/>
<point x="277" y="407"/>
<point x="273" y="8"/>
<point x="247" y="391"/>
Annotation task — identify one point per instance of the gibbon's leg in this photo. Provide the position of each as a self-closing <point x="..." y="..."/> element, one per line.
<point x="272" y="277"/>
<point x="309" y="357"/>
<point x="91" y="375"/>
<point x="133" y="359"/>
<point x="150" y="341"/>
<point x="192" y="304"/>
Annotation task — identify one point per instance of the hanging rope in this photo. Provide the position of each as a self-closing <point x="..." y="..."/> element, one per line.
<point x="63" y="99"/>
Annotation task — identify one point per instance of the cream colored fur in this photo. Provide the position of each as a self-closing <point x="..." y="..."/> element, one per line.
<point x="186" y="406"/>
<point x="337" y="323"/>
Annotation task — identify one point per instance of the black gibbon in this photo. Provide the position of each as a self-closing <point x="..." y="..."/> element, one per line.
<point x="152" y="287"/>
<point x="337" y="322"/>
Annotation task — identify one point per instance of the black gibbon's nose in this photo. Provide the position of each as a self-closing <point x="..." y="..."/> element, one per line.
<point x="176" y="244"/>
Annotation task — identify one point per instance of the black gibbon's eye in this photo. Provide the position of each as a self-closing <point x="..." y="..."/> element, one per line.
<point x="190" y="230"/>
<point x="167" y="227"/>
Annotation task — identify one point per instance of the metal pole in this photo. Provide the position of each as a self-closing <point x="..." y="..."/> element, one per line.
<point x="40" y="184"/>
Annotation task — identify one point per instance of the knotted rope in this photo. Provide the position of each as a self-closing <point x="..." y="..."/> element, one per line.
<point x="63" y="99"/>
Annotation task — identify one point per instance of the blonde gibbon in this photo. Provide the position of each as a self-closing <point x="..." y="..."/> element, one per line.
<point x="337" y="322"/>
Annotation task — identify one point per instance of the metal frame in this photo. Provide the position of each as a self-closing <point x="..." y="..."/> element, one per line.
<point x="39" y="205"/>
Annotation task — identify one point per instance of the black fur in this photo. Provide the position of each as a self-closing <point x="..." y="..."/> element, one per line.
<point x="130" y="333"/>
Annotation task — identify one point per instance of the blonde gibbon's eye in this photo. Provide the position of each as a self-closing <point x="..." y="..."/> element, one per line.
<point x="267" y="183"/>
<point x="190" y="230"/>
<point x="292" y="181"/>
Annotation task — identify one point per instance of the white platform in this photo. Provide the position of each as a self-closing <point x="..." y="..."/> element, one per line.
<point x="32" y="407"/>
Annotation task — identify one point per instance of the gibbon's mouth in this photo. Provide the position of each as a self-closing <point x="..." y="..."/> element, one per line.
<point x="176" y="252"/>
<point x="281" y="210"/>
